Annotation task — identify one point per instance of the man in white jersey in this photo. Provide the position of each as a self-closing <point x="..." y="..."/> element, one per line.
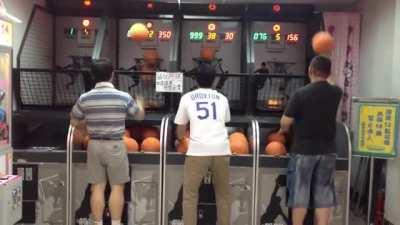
<point x="207" y="111"/>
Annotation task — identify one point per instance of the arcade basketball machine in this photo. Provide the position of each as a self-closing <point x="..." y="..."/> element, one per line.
<point x="282" y="41"/>
<point x="235" y="38"/>
<point x="10" y="185"/>
<point x="212" y="34"/>
<point x="45" y="97"/>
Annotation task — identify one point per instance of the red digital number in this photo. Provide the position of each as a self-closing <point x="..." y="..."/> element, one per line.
<point x="229" y="36"/>
<point x="164" y="35"/>
<point x="293" y="38"/>
<point x="168" y="34"/>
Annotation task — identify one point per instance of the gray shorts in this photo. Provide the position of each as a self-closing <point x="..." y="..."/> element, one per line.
<point x="311" y="181"/>
<point x="107" y="161"/>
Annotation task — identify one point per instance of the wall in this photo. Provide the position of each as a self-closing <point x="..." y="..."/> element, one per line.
<point x="393" y="166"/>
<point x="21" y="9"/>
<point x="379" y="68"/>
<point x="377" y="30"/>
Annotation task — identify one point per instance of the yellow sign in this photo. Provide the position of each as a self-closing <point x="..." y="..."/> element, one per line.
<point x="5" y="33"/>
<point x="377" y="129"/>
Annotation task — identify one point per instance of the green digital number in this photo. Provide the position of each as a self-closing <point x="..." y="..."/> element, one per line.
<point x="196" y="36"/>
<point x="260" y="36"/>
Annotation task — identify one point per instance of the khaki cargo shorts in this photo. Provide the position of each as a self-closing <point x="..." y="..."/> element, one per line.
<point x="107" y="161"/>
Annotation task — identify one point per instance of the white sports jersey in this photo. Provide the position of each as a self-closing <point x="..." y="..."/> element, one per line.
<point x="207" y="111"/>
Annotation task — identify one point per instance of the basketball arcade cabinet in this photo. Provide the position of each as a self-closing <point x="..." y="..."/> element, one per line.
<point x="10" y="185"/>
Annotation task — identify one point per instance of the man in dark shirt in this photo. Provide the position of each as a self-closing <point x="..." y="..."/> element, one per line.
<point x="312" y="111"/>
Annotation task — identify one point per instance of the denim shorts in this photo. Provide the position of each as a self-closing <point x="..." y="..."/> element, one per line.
<point x="311" y="181"/>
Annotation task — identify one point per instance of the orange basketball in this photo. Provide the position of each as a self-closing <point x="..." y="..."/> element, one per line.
<point x="238" y="135"/>
<point x="275" y="148"/>
<point x="276" y="137"/>
<point x="207" y="54"/>
<point x="150" y="56"/>
<point x="239" y="144"/>
<point x="79" y="136"/>
<point x="150" y="144"/>
<point x="150" y="132"/>
<point x="183" y="145"/>
<point x="323" y="43"/>
<point x="127" y="133"/>
<point x="86" y="141"/>
<point x="131" y="144"/>
<point x="138" y="32"/>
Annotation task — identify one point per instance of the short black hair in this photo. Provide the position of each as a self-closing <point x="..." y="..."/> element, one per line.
<point x="205" y="75"/>
<point x="263" y="64"/>
<point x="322" y="65"/>
<point x="102" y="69"/>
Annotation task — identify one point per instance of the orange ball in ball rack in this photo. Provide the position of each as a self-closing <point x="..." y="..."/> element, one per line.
<point x="150" y="144"/>
<point x="131" y="144"/>
<point x="323" y="43"/>
<point x="276" y="137"/>
<point x="239" y="143"/>
<point x="275" y="148"/>
<point x="127" y="133"/>
<point x="150" y="132"/>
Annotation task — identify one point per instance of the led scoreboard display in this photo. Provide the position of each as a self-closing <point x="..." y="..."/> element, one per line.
<point x="162" y="35"/>
<point x="211" y="35"/>
<point x="196" y="36"/>
<point x="276" y="35"/>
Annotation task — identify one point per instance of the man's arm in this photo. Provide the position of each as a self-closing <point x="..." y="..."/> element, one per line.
<point x="136" y="109"/>
<point x="181" y="120"/>
<point x="75" y="122"/>
<point x="77" y="115"/>
<point x="288" y="118"/>
<point x="227" y="112"/>
<point x="180" y="131"/>
<point x="286" y="123"/>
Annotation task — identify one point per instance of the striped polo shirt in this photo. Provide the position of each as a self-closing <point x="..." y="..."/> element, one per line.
<point x="105" y="109"/>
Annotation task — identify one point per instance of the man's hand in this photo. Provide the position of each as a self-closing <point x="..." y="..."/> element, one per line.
<point x="180" y="131"/>
<point x="77" y="123"/>
<point x="286" y="123"/>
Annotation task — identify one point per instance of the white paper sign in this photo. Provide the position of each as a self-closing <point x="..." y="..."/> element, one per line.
<point x="169" y="82"/>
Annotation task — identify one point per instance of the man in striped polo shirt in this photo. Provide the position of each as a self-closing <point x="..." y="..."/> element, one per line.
<point x="104" y="110"/>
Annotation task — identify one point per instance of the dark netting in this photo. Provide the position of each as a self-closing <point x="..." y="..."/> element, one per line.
<point x="274" y="92"/>
<point x="143" y="86"/>
<point x="69" y="86"/>
<point x="36" y="88"/>
<point x="50" y="88"/>
<point x="233" y="87"/>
